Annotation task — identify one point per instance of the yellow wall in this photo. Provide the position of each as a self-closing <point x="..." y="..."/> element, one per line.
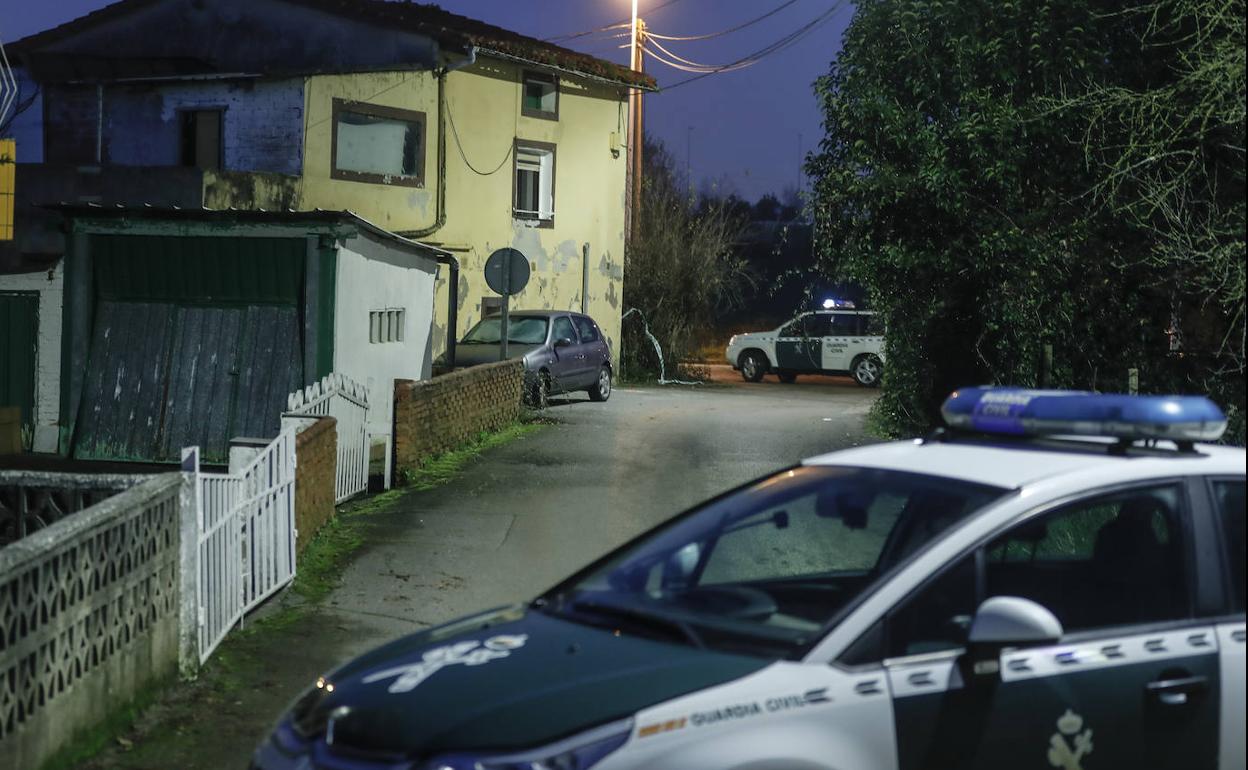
<point x="484" y="101"/>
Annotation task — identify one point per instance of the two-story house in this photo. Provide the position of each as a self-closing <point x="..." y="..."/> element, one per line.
<point x="448" y="132"/>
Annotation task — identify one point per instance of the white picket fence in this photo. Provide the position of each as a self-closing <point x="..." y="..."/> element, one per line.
<point x="346" y="401"/>
<point x="246" y="538"/>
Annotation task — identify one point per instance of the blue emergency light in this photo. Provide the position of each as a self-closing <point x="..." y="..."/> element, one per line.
<point x="1022" y="412"/>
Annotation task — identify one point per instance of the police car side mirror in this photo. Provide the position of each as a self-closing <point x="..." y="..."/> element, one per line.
<point x="1007" y="621"/>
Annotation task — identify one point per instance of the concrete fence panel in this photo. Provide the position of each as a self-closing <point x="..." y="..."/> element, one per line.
<point x="89" y="613"/>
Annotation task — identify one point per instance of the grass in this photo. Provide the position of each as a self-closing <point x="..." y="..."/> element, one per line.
<point x="88" y="743"/>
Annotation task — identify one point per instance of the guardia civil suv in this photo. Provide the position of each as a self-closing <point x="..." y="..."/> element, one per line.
<point x="839" y="341"/>
<point x="995" y="595"/>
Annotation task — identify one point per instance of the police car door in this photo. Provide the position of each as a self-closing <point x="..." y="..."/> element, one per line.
<point x="799" y="344"/>
<point x="1134" y="681"/>
<point x="842" y="342"/>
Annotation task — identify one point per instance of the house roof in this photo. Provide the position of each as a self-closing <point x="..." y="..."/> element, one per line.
<point x="449" y="29"/>
<point x="323" y="217"/>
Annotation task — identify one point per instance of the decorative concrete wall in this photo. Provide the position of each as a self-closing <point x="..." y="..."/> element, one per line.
<point x="440" y="414"/>
<point x="89" y="617"/>
<point x="316" y="452"/>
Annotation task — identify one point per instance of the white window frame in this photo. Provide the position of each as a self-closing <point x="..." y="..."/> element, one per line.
<point x="539" y="157"/>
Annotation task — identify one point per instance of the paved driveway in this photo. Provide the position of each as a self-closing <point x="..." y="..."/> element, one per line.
<point x="514" y="522"/>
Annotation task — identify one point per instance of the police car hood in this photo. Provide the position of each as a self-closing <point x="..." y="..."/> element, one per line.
<point x="507" y="681"/>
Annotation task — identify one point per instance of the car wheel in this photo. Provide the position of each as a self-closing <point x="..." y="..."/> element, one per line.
<point x="753" y="366"/>
<point x="867" y="371"/>
<point x="602" y="389"/>
<point x="787" y="378"/>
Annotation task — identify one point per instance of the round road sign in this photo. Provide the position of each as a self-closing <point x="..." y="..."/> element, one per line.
<point x="507" y="271"/>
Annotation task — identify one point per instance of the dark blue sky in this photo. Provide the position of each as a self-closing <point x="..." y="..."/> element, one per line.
<point x="740" y="130"/>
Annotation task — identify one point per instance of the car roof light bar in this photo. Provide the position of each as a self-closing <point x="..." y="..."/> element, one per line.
<point x="1023" y="412"/>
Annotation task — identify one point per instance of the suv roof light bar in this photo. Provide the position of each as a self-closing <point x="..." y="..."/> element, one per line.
<point x="1023" y="412"/>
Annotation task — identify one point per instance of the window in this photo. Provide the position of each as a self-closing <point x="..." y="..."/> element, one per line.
<point x="586" y="328"/>
<point x="526" y="330"/>
<point x="782" y="555"/>
<point x="843" y="325"/>
<point x="1114" y="560"/>
<point x="201" y="138"/>
<point x="491" y="306"/>
<point x="381" y="145"/>
<point x="810" y="325"/>
<point x="873" y="325"/>
<point x="541" y="96"/>
<point x="563" y="329"/>
<point x="386" y="325"/>
<point x="938" y="617"/>
<point x="535" y="182"/>
<point x="1230" y="502"/>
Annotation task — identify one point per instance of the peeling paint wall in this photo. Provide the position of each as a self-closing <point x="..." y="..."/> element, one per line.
<point x="484" y="102"/>
<point x="51" y="287"/>
<point x="262" y="123"/>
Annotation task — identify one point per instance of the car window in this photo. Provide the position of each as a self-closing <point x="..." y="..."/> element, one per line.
<point x="522" y="329"/>
<point x="794" y="328"/>
<point x="816" y="325"/>
<point x="873" y="325"/>
<point x="1230" y="502"/>
<point x="937" y="617"/>
<point x="767" y="566"/>
<point x="1112" y="560"/>
<point x="586" y="328"/>
<point x="563" y="328"/>
<point x="843" y="325"/>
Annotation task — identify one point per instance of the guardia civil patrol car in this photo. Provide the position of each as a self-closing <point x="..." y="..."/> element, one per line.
<point x="836" y="340"/>
<point x="990" y="596"/>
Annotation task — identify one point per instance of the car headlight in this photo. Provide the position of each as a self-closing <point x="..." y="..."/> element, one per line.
<point x="579" y="752"/>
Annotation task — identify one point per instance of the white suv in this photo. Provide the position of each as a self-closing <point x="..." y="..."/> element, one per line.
<point x="823" y="342"/>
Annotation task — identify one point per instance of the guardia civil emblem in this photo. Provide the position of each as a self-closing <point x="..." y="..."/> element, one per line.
<point x="472" y="653"/>
<point x="1071" y="743"/>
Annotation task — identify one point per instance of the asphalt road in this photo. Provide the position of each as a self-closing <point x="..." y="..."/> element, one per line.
<point x="532" y="512"/>
<point x="512" y="524"/>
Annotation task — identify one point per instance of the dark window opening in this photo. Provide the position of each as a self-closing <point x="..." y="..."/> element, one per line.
<point x="491" y="306"/>
<point x="540" y="97"/>
<point x="201" y="139"/>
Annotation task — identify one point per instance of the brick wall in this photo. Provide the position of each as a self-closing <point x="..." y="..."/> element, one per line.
<point x="436" y="415"/>
<point x="316" y="451"/>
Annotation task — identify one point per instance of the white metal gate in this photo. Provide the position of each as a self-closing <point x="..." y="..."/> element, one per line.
<point x="246" y="538"/>
<point x="346" y="401"/>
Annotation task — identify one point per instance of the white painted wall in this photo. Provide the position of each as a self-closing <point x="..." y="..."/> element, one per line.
<point x="51" y="288"/>
<point x="385" y="279"/>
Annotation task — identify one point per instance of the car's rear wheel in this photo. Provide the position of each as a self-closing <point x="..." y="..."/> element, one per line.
<point x="787" y="378"/>
<point x="753" y="366"/>
<point x="867" y="371"/>
<point x="601" y="390"/>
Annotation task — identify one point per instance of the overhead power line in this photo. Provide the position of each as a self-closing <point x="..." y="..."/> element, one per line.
<point x="730" y="30"/>
<point x="753" y="58"/>
<point x="624" y="23"/>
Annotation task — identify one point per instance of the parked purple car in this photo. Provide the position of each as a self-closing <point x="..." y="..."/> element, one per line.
<point x="563" y="352"/>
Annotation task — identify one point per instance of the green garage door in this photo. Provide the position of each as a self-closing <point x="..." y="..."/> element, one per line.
<point x="195" y="340"/>
<point x="19" y="332"/>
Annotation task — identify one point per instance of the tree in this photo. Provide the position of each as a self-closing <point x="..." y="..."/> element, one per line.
<point x="680" y="271"/>
<point x="955" y="186"/>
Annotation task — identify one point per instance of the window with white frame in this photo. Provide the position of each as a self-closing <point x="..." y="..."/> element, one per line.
<point x="535" y="182"/>
<point x="541" y="96"/>
<point x="386" y="325"/>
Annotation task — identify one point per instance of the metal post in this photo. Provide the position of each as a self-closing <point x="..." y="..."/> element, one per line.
<point x="1133" y="381"/>
<point x="585" y="278"/>
<point x="1046" y="366"/>
<point x="502" y="337"/>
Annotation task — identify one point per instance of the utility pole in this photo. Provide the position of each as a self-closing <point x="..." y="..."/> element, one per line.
<point x="688" y="154"/>
<point x="636" y="125"/>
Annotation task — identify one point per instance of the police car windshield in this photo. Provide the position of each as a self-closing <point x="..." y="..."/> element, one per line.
<point x="764" y="569"/>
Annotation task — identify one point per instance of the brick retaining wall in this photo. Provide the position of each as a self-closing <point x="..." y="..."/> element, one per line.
<point x="437" y="415"/>
<point x="316" y="450"/>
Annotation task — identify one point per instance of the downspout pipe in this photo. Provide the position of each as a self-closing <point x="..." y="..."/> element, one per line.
<point x="452" y="289"/>
<point x="452" y="307"/>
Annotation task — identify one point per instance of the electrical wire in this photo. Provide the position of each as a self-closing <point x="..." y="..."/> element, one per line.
<point x="775" y="47"/>
<point x="686" y="65"/>
<point x="625" y="23"/>
<point x="459" y="146"/>
<point x="730" y="30"/>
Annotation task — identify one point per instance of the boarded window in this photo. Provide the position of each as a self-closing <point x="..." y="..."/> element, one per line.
<point x="379" y="145"/>
<point x="491" y="306"/>
<point x="201" y="138"/>
<point x="386" y="325"/>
